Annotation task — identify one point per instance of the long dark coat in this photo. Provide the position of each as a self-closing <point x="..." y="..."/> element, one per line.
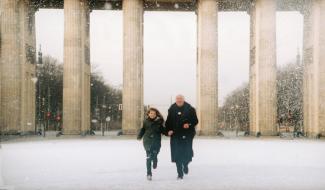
<point x="182" y="139"/>
<point x="151" y="133"/>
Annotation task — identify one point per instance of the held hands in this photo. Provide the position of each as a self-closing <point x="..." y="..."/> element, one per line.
<point x="186" y="126"/>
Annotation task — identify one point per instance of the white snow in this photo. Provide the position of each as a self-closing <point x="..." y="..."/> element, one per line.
<point x="1" y="180"/>
<point x="102" y="163"/>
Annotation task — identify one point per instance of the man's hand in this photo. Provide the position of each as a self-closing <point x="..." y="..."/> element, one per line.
<point x="186" y="126"/>
<point x="170" y="133"/>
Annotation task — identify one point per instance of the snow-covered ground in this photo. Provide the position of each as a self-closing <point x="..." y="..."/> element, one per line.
<point x="1" y="180"/>
<point x="103" y="163"/>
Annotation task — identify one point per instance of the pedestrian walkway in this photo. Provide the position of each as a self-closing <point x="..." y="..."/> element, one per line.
<point x="119" y="164"/>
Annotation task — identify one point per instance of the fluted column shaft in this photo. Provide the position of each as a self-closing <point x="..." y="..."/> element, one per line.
<point x="263" y="68"/>
<point x="18" y="66"/>
<point x="10" y="79"/>
<point x="132" y="66"/>
<point x="28" y="59"/>
<point x="207" y="66"/>
<point x="314" y="68"/>
<point x="76" y="82"/>
<point x="86" y="72"/>
<point x="252" y="72"/>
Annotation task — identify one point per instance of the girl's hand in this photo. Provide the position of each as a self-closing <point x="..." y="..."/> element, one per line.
<point x="170" y="133"/>
<point x="186" y="126"/>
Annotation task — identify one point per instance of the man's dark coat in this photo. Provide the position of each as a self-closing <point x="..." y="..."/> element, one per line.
<point x="182" y="139"/>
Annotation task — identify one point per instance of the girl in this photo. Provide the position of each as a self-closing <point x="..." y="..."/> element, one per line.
<point x="151" y="134"/>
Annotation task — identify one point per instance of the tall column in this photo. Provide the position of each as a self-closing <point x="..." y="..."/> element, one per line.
<point x="263" y="68"/>
<point x="252" y="72"/>
<point x="314" y="68"/>
<point x="27" y="45"/>
<point x="1" y="121"/>
<point x="18" y="65"/>
<point x="207" y="66"/>
<point x="307" y="60"/>
<point x="10" y="79"/>
<point x="320" y="57"/>
<point x="132" y="66"/>
<point x="85" y="24"/>
<point x="76" y="77"/>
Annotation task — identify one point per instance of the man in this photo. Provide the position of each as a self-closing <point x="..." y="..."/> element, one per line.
<point x="180" y="124"/>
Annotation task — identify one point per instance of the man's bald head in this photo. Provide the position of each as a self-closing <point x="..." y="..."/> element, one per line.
<point x="180" y="99"/>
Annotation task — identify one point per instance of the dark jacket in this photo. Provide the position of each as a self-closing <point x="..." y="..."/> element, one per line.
<point x="151" y="133"/>
<point x="182" y="139"/>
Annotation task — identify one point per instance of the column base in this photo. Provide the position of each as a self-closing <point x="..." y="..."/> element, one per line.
<point x="313" y="135"/>
<point x="269" y="133"/>
<point x="207" y="133"/>
<point x="26" y="133"/>
<point x="129" y="132"/>
<point x="71" y="132"/>
<point x="264" y="133"/>
<point x="255" y="134"/>
<point x="10" y="132"/>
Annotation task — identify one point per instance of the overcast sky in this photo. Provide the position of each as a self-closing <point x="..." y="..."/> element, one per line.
<point x="170" y="49"/>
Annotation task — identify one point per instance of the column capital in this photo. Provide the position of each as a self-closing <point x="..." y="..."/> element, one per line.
<point x="251" y="6"/>
<point x="306" y="7"/>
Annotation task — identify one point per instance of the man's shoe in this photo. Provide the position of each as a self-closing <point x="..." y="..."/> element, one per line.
<point x="155" y="163"/>
<point x="149" y="177"/>
<point x="185" y="170"/>
<point x="179" y="177"/>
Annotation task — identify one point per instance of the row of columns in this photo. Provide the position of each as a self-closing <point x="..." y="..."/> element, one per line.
<point x="263" y="109"/>
<point x="207" y="79"/>
<point x="17" y="92"/>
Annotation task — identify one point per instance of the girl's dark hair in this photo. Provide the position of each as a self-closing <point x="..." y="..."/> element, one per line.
<point x="157" y="112"/>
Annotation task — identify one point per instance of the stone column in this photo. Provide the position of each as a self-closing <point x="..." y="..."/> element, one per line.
<point x="252" y="72"/>
<point x="320" y="57"/>
<point x="132" y="66"/>
<point x="307" y="60"/>
<point x="86" y="67"/>
<point x="314" y="68"/>
<point x="263" y="68"/>
<point x="207" y="66"/>
<point x="1" y="121"/>
<point x="76" y="82"/>
<point x="10" y="63"/>
<point x="27" y="45"/>
<point x="18" y="61"/>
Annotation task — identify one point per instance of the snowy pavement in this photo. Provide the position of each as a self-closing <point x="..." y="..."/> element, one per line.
<point x="92" y="164"/>
<point x="1" y="180"/>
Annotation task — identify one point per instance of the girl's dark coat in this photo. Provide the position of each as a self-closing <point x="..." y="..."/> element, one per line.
<point x="151" y="133"/>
